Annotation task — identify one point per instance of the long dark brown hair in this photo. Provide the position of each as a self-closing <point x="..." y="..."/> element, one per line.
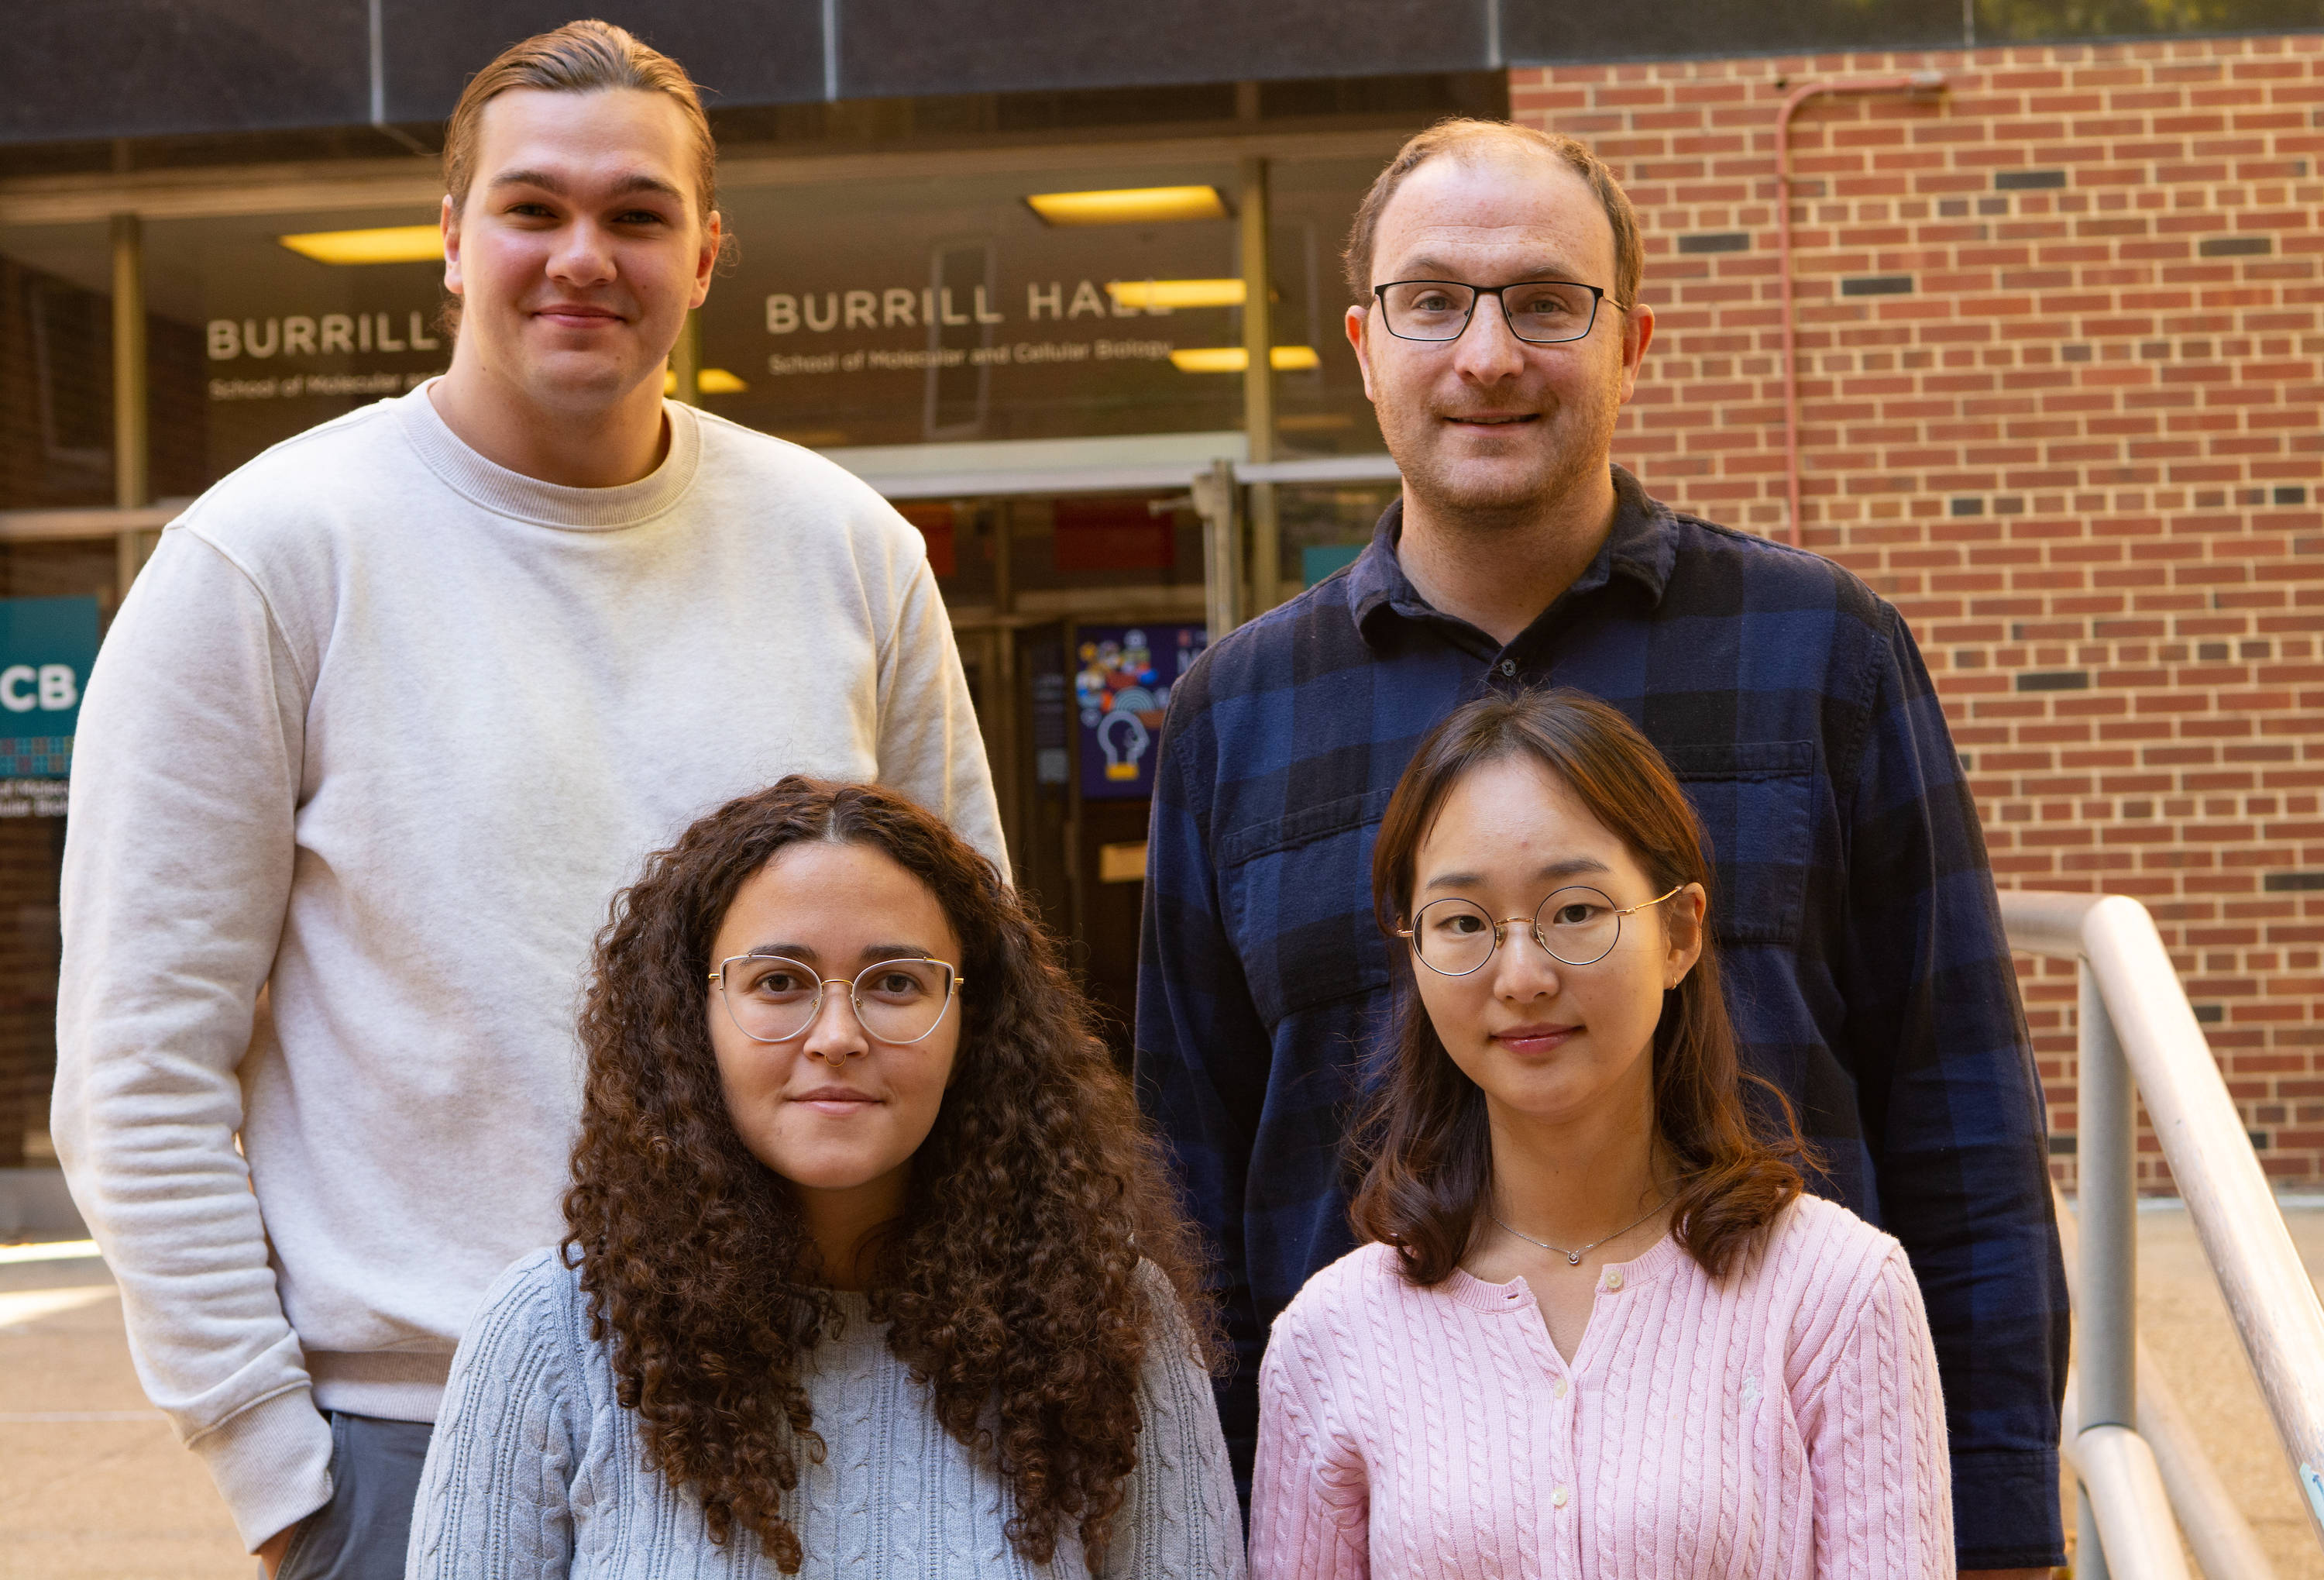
<point x="1011" y="1280"/>
<point x="1425" y="1145"/>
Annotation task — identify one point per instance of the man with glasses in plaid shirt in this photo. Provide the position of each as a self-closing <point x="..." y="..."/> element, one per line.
<point x="1501" y="331"/>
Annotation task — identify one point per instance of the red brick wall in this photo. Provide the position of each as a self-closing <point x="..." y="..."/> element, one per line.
<point x="2081" y="452"/>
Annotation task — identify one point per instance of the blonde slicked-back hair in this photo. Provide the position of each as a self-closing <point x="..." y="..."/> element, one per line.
<point x="1474" y="142"/>
<point x="581" y="57"/>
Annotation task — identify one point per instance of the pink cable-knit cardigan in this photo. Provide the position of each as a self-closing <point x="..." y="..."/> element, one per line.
<point x="1782" y="1421"/>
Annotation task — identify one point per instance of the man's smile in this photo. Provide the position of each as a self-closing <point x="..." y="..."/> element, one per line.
<point x="578" y="315"/>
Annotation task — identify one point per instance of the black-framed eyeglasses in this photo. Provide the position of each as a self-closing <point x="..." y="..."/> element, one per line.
<point x="1540" y="312"/>
<point x="772" y="998"/>
<point x="1575" y="926"/>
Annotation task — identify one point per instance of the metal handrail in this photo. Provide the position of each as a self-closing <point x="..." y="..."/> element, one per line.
<point x="2129" y="1534"/>
<point x="2216" y="1529"/>
<point x="2137" y="1021"/>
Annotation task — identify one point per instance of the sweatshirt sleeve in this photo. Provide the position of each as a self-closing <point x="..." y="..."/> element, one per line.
<point x="496" y="1493"/>
<point x="1310" y="1507"/>
<point x="931" y="747"/>
<point x="1179" y="1520"/>
<point x="177" y="873"/>
<point x="1873" y="1419"/>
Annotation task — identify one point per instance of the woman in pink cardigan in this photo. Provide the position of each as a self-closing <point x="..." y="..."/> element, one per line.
<point x="1598" y="1331"/>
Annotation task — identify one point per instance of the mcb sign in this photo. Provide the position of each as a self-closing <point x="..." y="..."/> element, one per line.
<point x="46" y="648"/>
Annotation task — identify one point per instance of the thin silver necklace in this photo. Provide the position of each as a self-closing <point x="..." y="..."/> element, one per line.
<point x="1573" y="1258"/>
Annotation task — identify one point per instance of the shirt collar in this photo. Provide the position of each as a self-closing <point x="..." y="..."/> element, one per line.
<point x="1641" y="547"/>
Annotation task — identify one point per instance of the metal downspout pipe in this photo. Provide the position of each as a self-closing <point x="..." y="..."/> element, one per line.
<point x="1902" y="82"/>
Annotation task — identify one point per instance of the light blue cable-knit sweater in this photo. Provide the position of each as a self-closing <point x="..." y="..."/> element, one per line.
<point x="535" y="1470"/>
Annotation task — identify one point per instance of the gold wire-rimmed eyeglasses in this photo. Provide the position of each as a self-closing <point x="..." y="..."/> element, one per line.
<point x="1575" y="926"/>
<point x="772" y="998"/>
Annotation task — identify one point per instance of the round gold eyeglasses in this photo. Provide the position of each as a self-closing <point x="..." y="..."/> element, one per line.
<point x="1575" y="926"/>
<point x="772" y="998"/>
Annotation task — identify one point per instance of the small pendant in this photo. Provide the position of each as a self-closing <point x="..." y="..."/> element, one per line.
<point x="1573" y="1258"/>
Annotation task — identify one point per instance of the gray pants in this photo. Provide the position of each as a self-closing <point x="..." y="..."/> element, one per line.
<point x="361" y="1533"/>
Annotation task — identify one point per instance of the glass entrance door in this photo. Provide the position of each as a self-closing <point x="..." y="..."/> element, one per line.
<point x="1075" y="615"/>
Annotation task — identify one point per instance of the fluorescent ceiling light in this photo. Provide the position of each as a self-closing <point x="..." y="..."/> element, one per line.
<point x="710" y="381"/>
<point x="389" y="244"/>
<point x="1169" y="294"/>
<point x="1234" y="359"/>
<point x="1211" y="359"/>
<point x="1129" y="206"/>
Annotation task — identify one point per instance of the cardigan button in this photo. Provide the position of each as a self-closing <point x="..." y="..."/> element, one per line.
<point x="1557" y="1497"/>
<point x="1613" y="1278"/>
<point x="1557" y="1387"/>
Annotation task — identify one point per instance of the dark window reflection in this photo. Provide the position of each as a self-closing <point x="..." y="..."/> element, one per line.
<point x="31" y="851"/>
<point x="56" y="379"/>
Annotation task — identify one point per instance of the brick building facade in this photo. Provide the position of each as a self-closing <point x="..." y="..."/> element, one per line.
<point x="2060" y="340"/>
<point x="2061" y="374"/>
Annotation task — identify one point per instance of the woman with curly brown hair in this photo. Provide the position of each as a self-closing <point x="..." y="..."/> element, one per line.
<point x="1600" y="1330"/>
<point x="871" y="1268"/>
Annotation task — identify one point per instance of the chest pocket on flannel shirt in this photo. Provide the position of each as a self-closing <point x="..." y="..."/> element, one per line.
<point x="1297" y="895"/>
<point x="1757" y="802"/>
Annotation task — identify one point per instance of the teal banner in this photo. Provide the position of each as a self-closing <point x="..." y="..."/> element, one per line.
<point x="47" y="646"/>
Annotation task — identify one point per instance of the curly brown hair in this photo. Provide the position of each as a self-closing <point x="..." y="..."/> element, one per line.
<point x="1010" y="1282"/>
<point x="1423" y="1143"/>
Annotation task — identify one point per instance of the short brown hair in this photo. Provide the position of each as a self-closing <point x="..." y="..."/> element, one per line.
<point x="1424" y="1144"/>
<point x="1467" y="139"/>
<point x="581" y="57"/>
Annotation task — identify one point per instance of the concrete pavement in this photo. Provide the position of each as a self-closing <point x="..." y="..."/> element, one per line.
<point x="2185" y="1324"/>
<point x="93" y="1484"/>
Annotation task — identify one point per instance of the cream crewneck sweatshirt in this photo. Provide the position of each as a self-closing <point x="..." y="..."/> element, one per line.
<point x="379" y="730"/>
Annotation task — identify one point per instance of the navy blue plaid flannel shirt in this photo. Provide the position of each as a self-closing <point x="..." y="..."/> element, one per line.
<point x="1863" y="954"/>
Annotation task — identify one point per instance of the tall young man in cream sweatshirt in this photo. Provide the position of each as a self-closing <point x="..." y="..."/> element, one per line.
<point x="389" y="716"/>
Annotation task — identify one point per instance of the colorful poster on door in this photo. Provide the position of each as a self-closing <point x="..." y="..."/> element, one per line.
<point x="1122" y="680"/>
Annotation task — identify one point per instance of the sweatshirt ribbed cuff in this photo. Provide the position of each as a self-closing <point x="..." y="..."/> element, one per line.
<point x="272" y="1464"/>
